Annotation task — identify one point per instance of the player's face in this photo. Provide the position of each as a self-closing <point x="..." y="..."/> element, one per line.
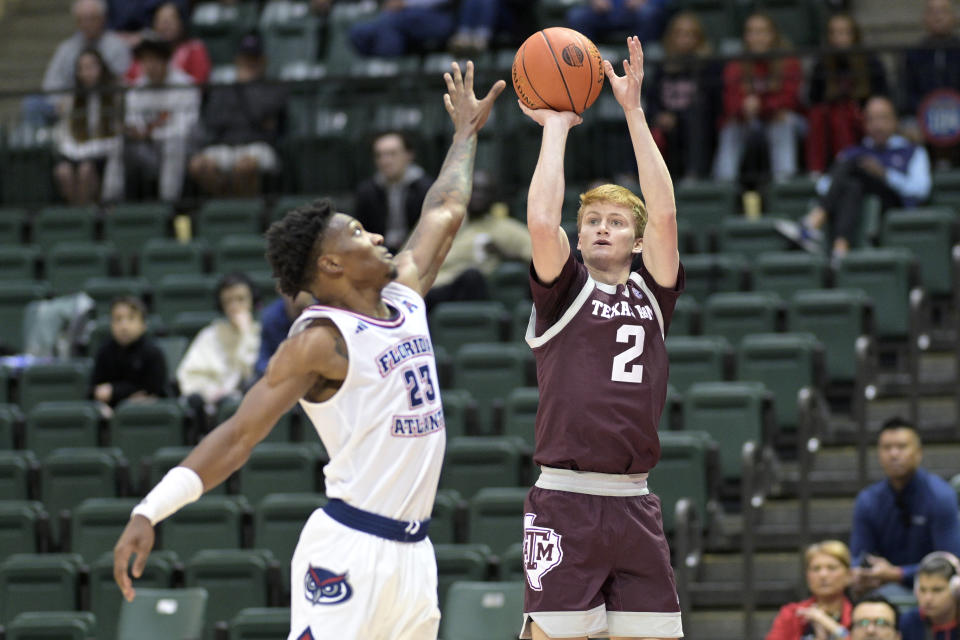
<point x="359" y="252"/>
<point x="826" y="576"/>
<point x="607" y="235"/>
<point x="934" y="598"/>
<point x="899" y="453"/>
<point x="126" y="324"/>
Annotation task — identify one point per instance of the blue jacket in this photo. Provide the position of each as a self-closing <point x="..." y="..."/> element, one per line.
<point x="908" y="167"/>
<point x="913" y="627"/>
<point x="274" y="327"/>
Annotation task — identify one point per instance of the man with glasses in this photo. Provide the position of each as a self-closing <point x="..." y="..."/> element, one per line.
<point x="875" y="618"/>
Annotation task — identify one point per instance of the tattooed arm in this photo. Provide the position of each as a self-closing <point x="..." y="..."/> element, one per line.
<point x="445" y="204"/>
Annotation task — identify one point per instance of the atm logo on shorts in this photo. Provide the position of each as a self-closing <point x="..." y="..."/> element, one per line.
<point x="541" y="551"/>
<point x="326" y="587"/>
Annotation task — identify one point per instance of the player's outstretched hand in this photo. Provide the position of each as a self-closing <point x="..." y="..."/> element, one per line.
<point x="137" y="538"/>
<point x="626" y="88"/>
<point x="468" y="114"/>
<point x="542" y="116"/>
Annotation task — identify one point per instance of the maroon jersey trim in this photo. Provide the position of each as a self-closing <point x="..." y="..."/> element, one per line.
<point x="538" y="341"/>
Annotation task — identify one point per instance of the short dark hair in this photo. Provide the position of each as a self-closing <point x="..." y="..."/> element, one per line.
<point x="293" y="244"/>
<point x="898" y="422"/>
<point x="938" y="563"/>
<point x="878" y="599"/>
<point x="405" y="138"/>
<point x="231" y="280"/>
<point x="133" y="302"/>
<point x="152" y="44"/>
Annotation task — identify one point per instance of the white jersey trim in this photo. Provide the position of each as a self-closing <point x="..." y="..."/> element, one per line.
<point x="537" y="341"/>
<point x="639" y="281"/>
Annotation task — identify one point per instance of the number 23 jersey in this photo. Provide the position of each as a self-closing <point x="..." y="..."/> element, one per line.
<point x="602" y="369"/>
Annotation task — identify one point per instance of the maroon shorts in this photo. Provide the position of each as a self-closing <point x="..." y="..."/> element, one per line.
<point x="583" y="551"/>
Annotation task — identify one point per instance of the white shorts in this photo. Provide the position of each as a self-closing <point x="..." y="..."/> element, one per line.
<point x="351" y="585"/>
<point x="226" y="156"/>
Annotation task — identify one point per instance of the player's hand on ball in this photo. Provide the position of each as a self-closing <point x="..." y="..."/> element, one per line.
<point x="468" y="114"/>
<point x="542" y="116"/>
<point x="626" y="88"/>
<point x="137" y="538"/>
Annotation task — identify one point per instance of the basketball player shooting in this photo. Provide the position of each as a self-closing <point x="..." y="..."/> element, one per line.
<point x="595" y="555"/>
<point x="361" y="364"/>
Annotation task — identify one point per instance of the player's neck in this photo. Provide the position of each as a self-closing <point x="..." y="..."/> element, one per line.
<point x="365" y="301"/>
<point x="609" y="274"/>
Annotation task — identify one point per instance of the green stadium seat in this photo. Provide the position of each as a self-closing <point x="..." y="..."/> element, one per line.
<point x="183" y="292"/>
<point x="160" y="614"/>
<point x="53" y="625"/>
<point x="342" y="16"/>
<point x="173" y="348"/>
<point x="785" y="363"/>
<point x="129" y="226"/>
<point x="14" y="297"/>
<point x="244" y="253"/>
<point x="24" y="527"/>
<point x="70" y="264"/>
<point x="290" y="33"/>
<point x="212" y="522"/>
<point x="293" y="466"/>
<point x="686" y="317"/>
<point x="282" y="432"/>
<point x="459" y="412"/>
<point x="671" y="409"/>
<point x="732" y="413"/>
<point x="510" y="283"/>
<point x="166" y="458"/>
<point x="688" y="468"/>
<point x="96" y="524"/>
<point x="785" y="272"/>
<point x="278" y="520"/>
<point x="460" y="562"/>
<point x="18" y="471"/>
<point x="55" y="424"/>
<point x="482" y="611"/>
<point x="511" y="564"/>
<point x="11" y="426"/>
<point x="887" y="275"/>
<point x="12" y="222"/>
<point x="520" y="414"/>
<point x="749" y="238"/>
<point x="285" y="204"/>
<point x="704" y="205"/>
<point x="698" y="359"/>
<point x="454" y="324"/>
<point x="472" y="463"/>
<point x="221" y="26"/>
<point x="66" y="380"/>
<point x="490" y="371"/>
<point x="496" y="517"/>
<point x="520" y="318"/>
<point x="234" y="578"/>
<point x="18" y="263"/>
<point x="444" y="519"/>
<point x="946" y="189"/>
<point x="837" y="317"/>
<point x="70" y="476"/>
<point x="187" y="324"/>
<point x="260" y="623"/>
<point x="38" y="582"/>
<point x="735" y="315"/>
<point x="105" y="598"/>
<point x="139" y="429"/>
<point x="930" y="233"/>
<point x="27" y="171"/>
<point x="220" y="218"/>
<point x="165" y="256"/>
<point x="63" y="224"/>
<point x="710" y="273"/>
<point x="104" y="290"/>
<point x="792" y="198"/>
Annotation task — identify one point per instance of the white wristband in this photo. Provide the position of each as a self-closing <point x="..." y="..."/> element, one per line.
<point x="178" y="488"/>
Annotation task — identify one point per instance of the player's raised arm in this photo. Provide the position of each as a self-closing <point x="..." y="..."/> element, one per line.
<point x="445" y="204"/>
<point x="660" y="254"/>
<point x="545" y="196"/>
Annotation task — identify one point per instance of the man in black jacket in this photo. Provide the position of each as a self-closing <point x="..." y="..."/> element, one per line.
<point x="389" y="202"/>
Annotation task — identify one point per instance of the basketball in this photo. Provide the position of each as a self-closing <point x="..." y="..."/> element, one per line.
<point x="558" y="68"/>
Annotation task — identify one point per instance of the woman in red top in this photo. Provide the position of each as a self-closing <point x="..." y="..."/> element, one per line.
<point x="760" y="100"/>
<point x="189" y="55"/>
<point x="826" y="615"/>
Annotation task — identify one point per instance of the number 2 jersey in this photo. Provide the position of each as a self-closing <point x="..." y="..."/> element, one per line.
<point x="601" y="368"/>
<point x="384" y="428"/>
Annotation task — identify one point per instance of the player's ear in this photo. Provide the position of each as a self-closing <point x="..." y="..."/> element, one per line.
<point x="638" y="244"/>
<point x="329" y="265"/>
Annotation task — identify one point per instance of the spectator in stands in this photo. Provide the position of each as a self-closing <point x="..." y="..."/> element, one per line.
<point x="129" y="17"/>
<point x="189" y="54"/>
<point x="827" y="613"/>
<point x="160" y="115"/>
<point x="275" y="322"/>
<point x="129" y="365"/>
<point x="875" y="618"/>
<point x="937" y="587"/>
<point x="219" y="362"/>
<point x="899" y="520"/>
<point x="760" y="108"/>
<point x="88" y="135"/>
<point x="389" y="202"/>
<point x="840" y="84"/>
<point x="404" y="26"/>
<point x="681" y="95"/>
<point x="481" y="20"/>
<point x="91" y="17"/>
<point x="241" y="125"/>
<point x="599" y="19"/>
<point x="884" y="164"/>
<point x="487" y="238"/>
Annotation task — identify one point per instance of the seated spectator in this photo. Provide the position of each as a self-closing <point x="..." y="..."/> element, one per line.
<point x="485" y="240"/>
<point x="389" y="202"/>
<point x="874" y="618"/>
<point x="937" y="587"/>
<point x="934" y="65"/>
<point x="129" y="17"/>
<point x="88" y="135"/>
<point x="598" y="19"/>
<point x="885" y="164"/>
<point x="481" y="20"/>
<point x="91" y="18"/>
<point x="240" y="127"/>
<point x="129" y="365"/>
<point x="681" y="94"/>
<point x="160" y="114"/>
<point x="840" y="84"/>
<point x="189" y="54"/>
<point x="826" y="614"/>
<point x="760" y="105"/>
<point x="219" y="362"/>
<point x="275" y="322"/>
<point x="404" y="26"/>
<point x="899" y="520"/>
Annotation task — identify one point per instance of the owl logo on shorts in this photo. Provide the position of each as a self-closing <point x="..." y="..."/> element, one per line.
<point x="326" y="587"/>
<point x="541" y="551"/>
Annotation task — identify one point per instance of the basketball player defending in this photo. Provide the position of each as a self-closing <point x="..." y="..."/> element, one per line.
<point x="595" y="555"/>
<point x="361" y="364"/>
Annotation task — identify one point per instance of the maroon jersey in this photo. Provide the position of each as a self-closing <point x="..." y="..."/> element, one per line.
<point x="602" y="369"/>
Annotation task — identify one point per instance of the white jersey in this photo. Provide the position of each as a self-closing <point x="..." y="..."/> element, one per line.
<point x="384" y="427"/>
